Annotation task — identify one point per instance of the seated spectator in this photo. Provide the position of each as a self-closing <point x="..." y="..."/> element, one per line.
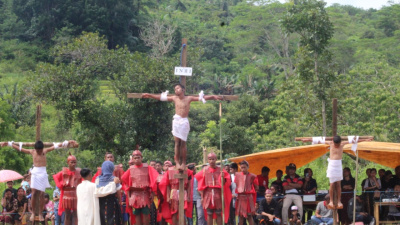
<point x="10" y="206"/>
<point x="263" y="178"/>
<point x="371" y="187"/>
<point x="396" y="177"/>
<point x="381" y="174"/>
<point x="347" y="184"/>
<point x="310" y="184"/>
<point x="322" y="213"/>
<point x="387" y="181"/>
<point x="394" y="210"/>
<point x="294" y="218"/>
<point x="361" y="214"/>
<point x="292" y="185"/>
<point x="260" y="193"/>
<point x="25" y="182"/>
<point x="270" y="211"/>
<point x="275" y="195"/>
<point x="278" y="182"/>
<point x="48" y="209"/>
<point x="22" y="202"/>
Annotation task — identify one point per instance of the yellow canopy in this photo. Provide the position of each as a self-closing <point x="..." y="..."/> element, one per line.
<point x="383" y="153"/>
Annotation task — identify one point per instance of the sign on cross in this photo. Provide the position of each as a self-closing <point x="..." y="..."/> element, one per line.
<point x="37" y="198"/>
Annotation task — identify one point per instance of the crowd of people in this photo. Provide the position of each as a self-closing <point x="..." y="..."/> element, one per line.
<point x="149" y="194"/>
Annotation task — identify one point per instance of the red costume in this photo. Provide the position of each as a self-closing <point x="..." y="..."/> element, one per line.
<point x="139" y="182"/>
<point x="263" y="181"/>
<point x="169" y="187"/>
<point x="67" y="181"/>
<point x="118" y="172"/>
<point x="246" y="200"/>
<point x="209" y="181"/>
<point x="159" y="197"/>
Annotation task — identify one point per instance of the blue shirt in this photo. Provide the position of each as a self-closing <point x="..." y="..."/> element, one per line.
<point x="196" y="194"/>
<point x="56" y="193"/>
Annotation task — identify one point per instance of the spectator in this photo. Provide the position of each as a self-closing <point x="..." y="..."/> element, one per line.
<point x="159" y="167"/>
<point x="263" y="177"/>
<point x="294" y="218"/>
<point x="381" y="174"/>
<point x="233" y="168"/>
<point x="191" y="167"/>
<point x="322" y="213"/>
<point x="10" y="206"/>
<point x="260" y="193"/>
<point x="348" y="185"/>
<point x="310" y="184"/>
<point x="396" y="178"/>
<point x="152" y="163"/>
<point x="167" y="164"/>
<point x="270" y="210"/>
<point x="59" y="220"/>
<point x="277" y="196"/>
<point x="387" y="181"/>
<point x="48" y="209"/>
<point x="292" y="184"/>
<point x="369" y="187"/>
<point x="278" y="182"/>
<point x="227" y="167"/>
<point x="22" y="202"/>
<point x="361" y="215"/>
<point x="201" y="220"/>
<point x="13" y="190"/>
<point x="394" y="210"/>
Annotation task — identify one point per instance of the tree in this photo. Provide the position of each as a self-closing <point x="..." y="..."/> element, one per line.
<point x="309" y="19"/>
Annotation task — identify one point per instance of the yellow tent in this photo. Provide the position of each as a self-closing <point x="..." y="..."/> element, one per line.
<point x="387" y="154"/>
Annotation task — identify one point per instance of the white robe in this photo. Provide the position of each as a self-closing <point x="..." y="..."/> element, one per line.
<point x="88" y="201"/>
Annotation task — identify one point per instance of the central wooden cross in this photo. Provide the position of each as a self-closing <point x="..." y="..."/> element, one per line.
<point x="181" y="176"/>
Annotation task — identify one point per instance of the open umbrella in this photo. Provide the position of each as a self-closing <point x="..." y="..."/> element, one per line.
<point x="9" y="175"/>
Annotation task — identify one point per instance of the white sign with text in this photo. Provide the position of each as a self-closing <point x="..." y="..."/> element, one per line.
<point x="183" y="71"/>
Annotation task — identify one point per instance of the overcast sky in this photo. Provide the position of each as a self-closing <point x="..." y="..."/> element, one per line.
<point x="365" y="4"/>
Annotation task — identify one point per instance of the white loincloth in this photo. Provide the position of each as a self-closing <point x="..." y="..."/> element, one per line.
<point x="39" y="178"/>
<point x="334" y="171"/>
<point x="180" y="127"/>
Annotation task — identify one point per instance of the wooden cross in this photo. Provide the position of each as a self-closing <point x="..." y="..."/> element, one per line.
<point x="35" y="205"/>
<point x="181" y="175"/>
<point x="334" y="133"/>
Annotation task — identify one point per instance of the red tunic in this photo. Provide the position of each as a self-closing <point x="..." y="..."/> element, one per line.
<point x="118" y="172"/>
<point x="246" y="200"/>
<point x="67" y="181"/>
<point x="209" y="181"/>
<point x="169" y="187"/>
<point x="138" y="183"/>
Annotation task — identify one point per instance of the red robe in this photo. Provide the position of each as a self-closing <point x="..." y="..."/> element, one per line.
<point x="169" y="187"/>
<point x="246" y="201"/>
<point x="118" y="172"/>
<point x="160" y="198"/>
<point x="67" y="181"/>
<point x="203" y="186"/>
<point x="127" y="184"/>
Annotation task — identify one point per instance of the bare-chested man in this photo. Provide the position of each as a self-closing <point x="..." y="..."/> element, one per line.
<point x="39" y="177"/>
<point x="180" y="124"/>
<point x="335" y="170"/>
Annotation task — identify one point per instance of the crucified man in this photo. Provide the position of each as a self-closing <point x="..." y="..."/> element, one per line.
<point x="39" y="178"/>
<point x="180" y="123"/>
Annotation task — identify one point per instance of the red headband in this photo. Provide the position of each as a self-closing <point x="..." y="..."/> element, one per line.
<point x="212" y="154"/>
<point x="137" y="152"/>
<point x="71" y="157"/>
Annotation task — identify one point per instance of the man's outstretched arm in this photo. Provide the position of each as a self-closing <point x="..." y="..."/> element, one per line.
<point x="206" y="97"/>
<point x="157" y="97"/>
<point x="24" y="150"/>
<point x="65" y="144"/>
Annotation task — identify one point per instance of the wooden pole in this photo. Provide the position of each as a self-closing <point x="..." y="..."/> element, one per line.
<point x="184" y="54"/>
<point x="355" y="190"/>
<point x="204" y="155"/>
<point x="222" y="167"/>
<point x="38" y="121"/>
<point x="334" y="117"/>
<point x="334" y="132"/>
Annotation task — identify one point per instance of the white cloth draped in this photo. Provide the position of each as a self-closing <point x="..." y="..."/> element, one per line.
<point x="334" y="171"/>
<point x="164" y="96"/>
<point x="180" y="127"/>
<point x="39" y="178"/>
<point x="353" y="140"/>
<point x="201" y="97"/>
<point x="318" y="140"/>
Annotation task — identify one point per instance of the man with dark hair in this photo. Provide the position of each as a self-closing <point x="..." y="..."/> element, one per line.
<point x="118" y="171"/>
<point x="322" y="213"/>
<point x="263" y="177"/>
<point x="152" y="163"/>
<point x="87" y="206"/>
<point x="396" y="177"/>
<point x="180" y="123"/>
<point x="335" y="171"/>
<point x="159" y="166"/>
<point x="246" y="188"/>
<point x="278" y="181"/>
<point x="233" y="168"/>
<point x="10" y="186"/>
<point x="39" y="178"/>
<point x="292" y="184"/>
